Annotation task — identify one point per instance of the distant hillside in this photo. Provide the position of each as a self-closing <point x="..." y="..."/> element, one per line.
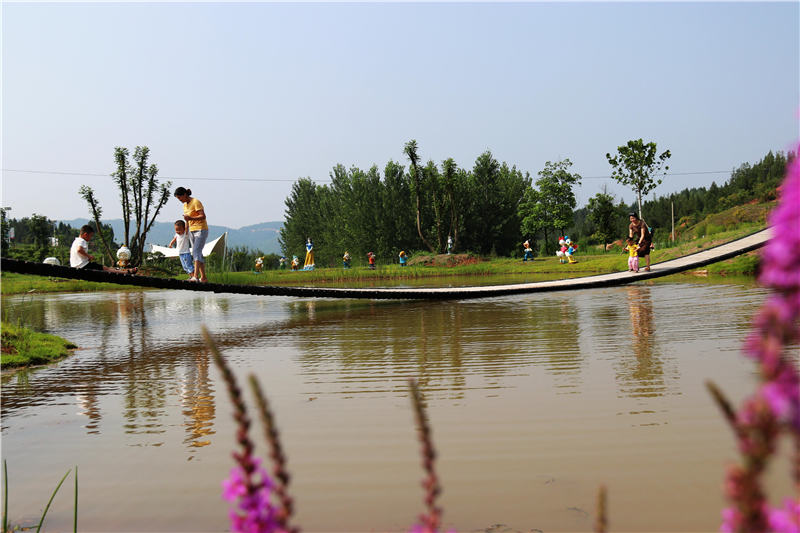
<point x="262" y="236"/>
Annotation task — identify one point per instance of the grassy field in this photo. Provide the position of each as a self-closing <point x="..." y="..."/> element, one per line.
<point x="24" y="347"/>
<point x="589" y="263"/>
<point x="429" y="267"/>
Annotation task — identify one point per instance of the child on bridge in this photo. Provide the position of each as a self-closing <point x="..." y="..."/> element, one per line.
<point x="633" y="256"/>
<point x="183" y="241"/>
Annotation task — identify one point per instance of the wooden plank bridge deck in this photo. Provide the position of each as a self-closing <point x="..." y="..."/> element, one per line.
<point x="666" y="268"/>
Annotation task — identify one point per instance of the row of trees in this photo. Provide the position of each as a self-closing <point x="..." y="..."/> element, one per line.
<point x="749" y="182"/>
<point x="37" y="237"/>
<point x="488" y="209"/>
<point x="414" y="209"/>
<point x="756" y="182"/>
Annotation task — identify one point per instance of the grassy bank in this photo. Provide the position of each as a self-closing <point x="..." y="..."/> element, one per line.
<point x="24" y="347"/>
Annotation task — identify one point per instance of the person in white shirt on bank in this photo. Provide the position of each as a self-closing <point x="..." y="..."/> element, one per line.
<point x="79" y="256"/>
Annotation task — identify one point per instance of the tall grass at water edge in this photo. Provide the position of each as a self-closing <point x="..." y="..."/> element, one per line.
<point x="9" y="528"/>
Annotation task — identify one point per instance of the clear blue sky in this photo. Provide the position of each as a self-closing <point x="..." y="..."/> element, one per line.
<point x="281" y="91"/>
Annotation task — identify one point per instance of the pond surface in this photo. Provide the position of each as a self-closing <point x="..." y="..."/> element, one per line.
<point x="534" y="400"/>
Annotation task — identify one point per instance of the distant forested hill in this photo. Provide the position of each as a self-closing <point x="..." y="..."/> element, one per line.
<point x="748" y="184"/>
<point x="262" y="236"/>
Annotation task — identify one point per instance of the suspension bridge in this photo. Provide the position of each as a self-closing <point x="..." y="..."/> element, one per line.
<point x="674" y="266"/>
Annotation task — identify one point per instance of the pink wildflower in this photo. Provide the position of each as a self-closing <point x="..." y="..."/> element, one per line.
<point x="775" y="406"/>
<point x="787" y="519"/>
<point x="781" y="255"/>
<point x="254" y="512"/>
<point x="730" y="520"/>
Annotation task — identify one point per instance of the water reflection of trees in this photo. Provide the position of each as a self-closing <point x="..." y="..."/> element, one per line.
<point x="144" y="365"/>
<point x="449" y="346"/>
<point x="145" y="349"/>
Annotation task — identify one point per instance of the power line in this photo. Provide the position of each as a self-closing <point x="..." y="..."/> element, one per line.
<point x="66" y="173"/>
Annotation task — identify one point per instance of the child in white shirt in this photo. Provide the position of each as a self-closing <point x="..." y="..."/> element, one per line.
<point x="183" y="241"/>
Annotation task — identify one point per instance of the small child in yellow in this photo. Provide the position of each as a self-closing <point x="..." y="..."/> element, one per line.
<point x="633" y="257"/>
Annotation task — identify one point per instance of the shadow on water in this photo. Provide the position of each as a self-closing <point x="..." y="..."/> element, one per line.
<point x="640" y="371"/>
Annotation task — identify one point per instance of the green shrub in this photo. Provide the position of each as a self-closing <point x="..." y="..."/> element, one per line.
<point x="700" y="230"/>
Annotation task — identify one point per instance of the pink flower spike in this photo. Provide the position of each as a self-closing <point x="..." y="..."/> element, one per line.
<point x="786" y="520"/>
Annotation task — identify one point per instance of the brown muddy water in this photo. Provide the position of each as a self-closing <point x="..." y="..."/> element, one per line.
<point x="534" y="401"/>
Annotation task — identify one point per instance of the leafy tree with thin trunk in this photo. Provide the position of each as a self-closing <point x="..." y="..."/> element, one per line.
<point x="551" y="206"/>
<point x="604" y="215"/>
<point x="449" y="179"/>
<point x="416" y="174"/>
<point x="636" y="164"/>
<point x="87" y="193"/>
<point x="40" y="230"/>
<point x="141" y="197"/>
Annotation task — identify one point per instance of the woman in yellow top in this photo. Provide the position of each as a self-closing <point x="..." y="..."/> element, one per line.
<point x="195" y="217"/>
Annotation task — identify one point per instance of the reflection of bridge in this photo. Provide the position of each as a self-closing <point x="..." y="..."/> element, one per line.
<point x="673" y="266"/>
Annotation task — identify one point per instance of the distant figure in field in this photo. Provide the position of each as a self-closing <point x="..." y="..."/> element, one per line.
<point x="346" y="259"/>
<point x="195" y="215"/>
<point x="79" y="256"/>
<point x="259" y="264"/>
<point x="309" y="262"/>
<point x="295" y="263"/>
<point x="282" y="263"/>
<point x="527" y="251"/>
<point x="449" y="244"/>
<point x="371" y="259"/>
<point x="633" y="257"/>
<point x="183" y="241"/>
<point x="640" y="233"/>
<point x="403" y="258"/>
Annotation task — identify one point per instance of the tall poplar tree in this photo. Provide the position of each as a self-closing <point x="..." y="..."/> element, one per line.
<point x="416" y="174"/>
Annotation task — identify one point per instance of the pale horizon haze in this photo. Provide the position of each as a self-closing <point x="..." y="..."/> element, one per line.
<point x="280" y="91"/>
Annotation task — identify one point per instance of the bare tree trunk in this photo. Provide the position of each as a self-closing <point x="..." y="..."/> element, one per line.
<point x="546" y="241"/>
<point x="453" y="225"/>
<point x="411" y="152"/>
<point x="419" y="229"/>
<point x="639" y="198"/>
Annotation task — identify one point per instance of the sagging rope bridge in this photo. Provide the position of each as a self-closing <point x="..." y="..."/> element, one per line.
<point x="666" y="268"/>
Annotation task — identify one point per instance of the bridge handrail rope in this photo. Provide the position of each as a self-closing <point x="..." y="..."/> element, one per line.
<point x="692" y="261"/>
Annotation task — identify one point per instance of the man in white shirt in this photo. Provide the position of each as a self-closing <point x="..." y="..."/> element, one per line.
<point x="79" y="256"/>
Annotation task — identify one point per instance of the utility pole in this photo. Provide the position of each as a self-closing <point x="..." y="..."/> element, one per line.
<point x="672" y="207"/>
